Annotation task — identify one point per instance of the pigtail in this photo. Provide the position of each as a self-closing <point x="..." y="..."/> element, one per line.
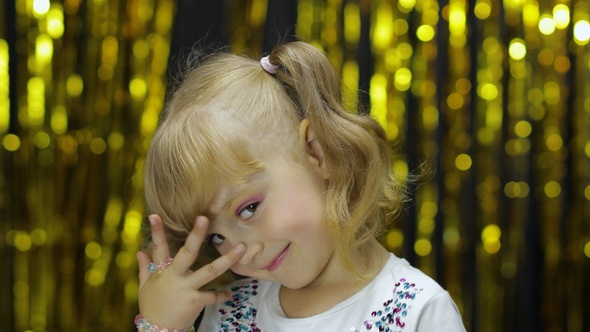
<point x="361" y="190"/>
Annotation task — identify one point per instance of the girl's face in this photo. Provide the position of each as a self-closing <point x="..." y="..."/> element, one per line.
<point x="279" y="216"/>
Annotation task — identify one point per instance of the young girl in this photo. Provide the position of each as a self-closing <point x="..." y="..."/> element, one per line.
<point x="260" y="161"/>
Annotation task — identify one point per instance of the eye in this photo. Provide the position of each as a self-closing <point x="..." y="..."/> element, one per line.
<point x="247" y="211"/>
<point x="216" y="239"/>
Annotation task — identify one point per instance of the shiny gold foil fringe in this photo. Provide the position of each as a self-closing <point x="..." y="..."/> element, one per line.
<point x="494" y="95"/>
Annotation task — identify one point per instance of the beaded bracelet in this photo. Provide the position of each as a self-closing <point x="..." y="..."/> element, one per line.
<point x="143" y="325"/>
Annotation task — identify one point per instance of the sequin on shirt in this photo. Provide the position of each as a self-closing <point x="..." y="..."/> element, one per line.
<point x="239" y="313"/>
<point x="390" y="317"/>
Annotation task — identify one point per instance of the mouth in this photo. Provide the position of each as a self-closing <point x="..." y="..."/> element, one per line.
<point x="276" y="262"/>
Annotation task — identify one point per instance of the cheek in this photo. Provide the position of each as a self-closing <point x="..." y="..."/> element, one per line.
<point x="308" y="214"/>
<point x="302" y="204"/>
<point x="296" y="218"/>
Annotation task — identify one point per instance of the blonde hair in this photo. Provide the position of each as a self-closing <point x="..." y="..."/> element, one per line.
<point x="206" y="132"/>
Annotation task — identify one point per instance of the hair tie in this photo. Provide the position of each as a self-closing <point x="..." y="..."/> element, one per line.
<point x="267" y="66"/>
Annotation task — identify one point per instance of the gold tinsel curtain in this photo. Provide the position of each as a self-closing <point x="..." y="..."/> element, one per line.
<point x="493" y="96"/>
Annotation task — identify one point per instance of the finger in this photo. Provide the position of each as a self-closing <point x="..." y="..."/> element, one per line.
<point x="143" y="260"/>
<point x="216" y="268"/>
<point x="188" y="253"/>
<point x="212" y="297"/>
<point x="160" y="250"/>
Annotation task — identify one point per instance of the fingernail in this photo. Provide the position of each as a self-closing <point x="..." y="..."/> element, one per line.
<point x="200" y="223"/>
<point x="239" y="248"/>
<point x="152" y="220"/>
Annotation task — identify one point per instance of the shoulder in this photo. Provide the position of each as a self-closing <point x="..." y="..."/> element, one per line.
<point x="409" y="282"/>
<point x="411" y="297"/>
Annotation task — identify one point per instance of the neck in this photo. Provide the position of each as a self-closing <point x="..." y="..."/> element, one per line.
<point x="333" y="286"/>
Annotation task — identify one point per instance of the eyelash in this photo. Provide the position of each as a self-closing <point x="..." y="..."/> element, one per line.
<point x="212" y="237"/>
<point x="250" y="208"/>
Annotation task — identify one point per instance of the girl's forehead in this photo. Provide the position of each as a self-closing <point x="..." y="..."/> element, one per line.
<point x="220" y="199"/>
<point x="229" y="191"/>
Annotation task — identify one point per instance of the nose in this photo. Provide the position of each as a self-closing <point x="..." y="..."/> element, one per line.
<point x="250" y="239"/>
<point x="253" y="248"/>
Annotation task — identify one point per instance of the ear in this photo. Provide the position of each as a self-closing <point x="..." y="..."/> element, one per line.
<point x="315" y="152"/>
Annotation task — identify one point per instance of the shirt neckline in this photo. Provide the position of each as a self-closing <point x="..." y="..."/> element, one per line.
<point x="273" y="305"/>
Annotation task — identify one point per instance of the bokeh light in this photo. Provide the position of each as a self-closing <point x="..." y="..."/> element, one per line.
<point x="582" y="32"/>
<point x="517" y="49"/>
<point x="547" y="25"/>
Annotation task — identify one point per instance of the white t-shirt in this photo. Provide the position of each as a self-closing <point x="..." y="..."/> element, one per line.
<point x="400" y="298"/>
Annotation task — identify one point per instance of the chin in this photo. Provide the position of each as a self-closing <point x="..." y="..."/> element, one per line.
<point x="299" y="283"/>
<point x="293" y="286"/>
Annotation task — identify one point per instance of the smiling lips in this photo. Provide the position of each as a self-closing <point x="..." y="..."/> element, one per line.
<point x="276" y="262"/>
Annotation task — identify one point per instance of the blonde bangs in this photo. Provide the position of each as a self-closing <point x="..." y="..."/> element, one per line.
<point x="185" y="167"/>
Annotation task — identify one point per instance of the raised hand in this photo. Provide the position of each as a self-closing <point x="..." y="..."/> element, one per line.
<point x="171" y="297"/>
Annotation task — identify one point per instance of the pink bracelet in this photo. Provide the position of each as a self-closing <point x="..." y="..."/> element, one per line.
<point x="143" y="325"/>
